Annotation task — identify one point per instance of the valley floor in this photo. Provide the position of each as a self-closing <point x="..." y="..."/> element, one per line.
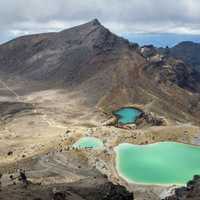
<point x="38" y="130"/>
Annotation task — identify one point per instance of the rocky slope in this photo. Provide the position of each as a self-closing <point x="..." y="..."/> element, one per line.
<point x="189" y="52"/>
<point x="97" y="188"/>
<point x="70" y="56"/>
<point x="105" y="69"/>
<point x="190" y="192"/>
<point x="65" y="174"/>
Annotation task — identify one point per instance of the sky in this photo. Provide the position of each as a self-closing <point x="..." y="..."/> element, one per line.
<point x="159" y="22"/>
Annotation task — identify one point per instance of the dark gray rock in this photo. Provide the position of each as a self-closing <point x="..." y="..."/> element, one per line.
<point x="189" y="52"/>
<point x="190" y="192"/>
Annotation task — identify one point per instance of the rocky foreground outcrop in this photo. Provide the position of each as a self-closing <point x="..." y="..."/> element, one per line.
<point x="190" y="192"/>
<point x="153" y="119"/>
<point x="97" y="188"/>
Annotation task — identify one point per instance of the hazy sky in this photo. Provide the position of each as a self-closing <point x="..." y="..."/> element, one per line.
<point x="18" y="17"/>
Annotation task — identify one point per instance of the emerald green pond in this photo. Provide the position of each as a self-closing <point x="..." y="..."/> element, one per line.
<point x="127" y="115"/>
<point x="160" y="163"/>
<point x="89" y="142"/>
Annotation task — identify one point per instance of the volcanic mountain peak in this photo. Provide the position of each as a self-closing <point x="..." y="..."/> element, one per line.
<point x="89" y="25"/>
<point x="70" y="56"/>
<point x="92" y="34"/>
<point x="95" y="22"/>
<point x="103" y="67"/>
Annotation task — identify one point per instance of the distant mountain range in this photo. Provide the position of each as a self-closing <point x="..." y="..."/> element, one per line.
<point x="109" y="70"/>
<point x="161" y="39"/>
<point x="189" y="52"/>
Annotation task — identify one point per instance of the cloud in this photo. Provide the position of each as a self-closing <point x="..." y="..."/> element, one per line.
<point x="19" y="17"/>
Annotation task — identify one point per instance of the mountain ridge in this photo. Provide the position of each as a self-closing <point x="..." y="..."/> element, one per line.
<point x="105" y="69"/>
<point x="59" y="87"/>
<point x="188" y="52"/>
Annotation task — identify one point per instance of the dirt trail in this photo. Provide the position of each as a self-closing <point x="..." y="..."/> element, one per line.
<point x="10" y="90"/>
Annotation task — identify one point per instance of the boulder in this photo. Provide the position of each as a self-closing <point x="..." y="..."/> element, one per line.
<point x="117" y="192"/>
<point x="151" y="118"/>
<point x="59" y="196"/>
<point x="131" y="126"/>
<point x="148" y="50"/>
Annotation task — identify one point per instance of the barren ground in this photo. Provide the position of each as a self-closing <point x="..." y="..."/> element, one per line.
<point x="35" y="135"/>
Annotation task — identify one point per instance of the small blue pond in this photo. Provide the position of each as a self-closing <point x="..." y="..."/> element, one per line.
<point x="127" y="115"/>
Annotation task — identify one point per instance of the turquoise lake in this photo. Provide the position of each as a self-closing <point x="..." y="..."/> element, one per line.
<point x="127" y="115"/>
<point x="160" y="163"/>
<point x="89" y="142"/>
